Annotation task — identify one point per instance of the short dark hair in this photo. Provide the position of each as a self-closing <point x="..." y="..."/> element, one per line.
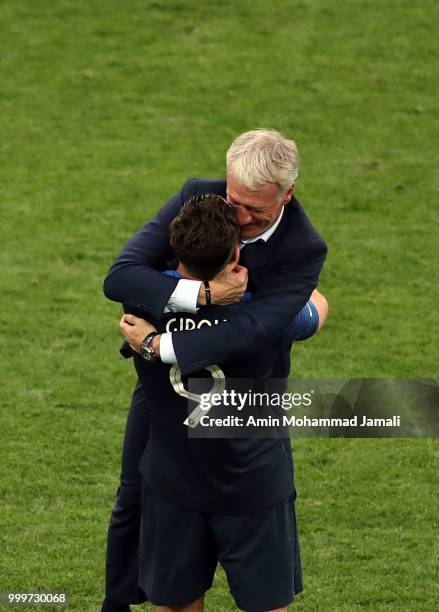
<point x="204" y="234"/>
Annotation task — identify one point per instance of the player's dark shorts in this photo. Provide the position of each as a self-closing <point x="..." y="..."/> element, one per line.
<point x="180" y="549"/>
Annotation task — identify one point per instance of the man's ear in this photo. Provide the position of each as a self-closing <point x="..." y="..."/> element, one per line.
<point x="289" y="194"/>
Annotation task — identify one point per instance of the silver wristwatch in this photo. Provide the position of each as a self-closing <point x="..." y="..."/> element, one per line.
<point x="146" y="349"/>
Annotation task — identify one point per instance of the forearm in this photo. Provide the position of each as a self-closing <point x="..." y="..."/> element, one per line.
<point x="234" y="340"/>
<point x="136" y="276"/>
<point x="259" y="323"/>
<point x="141" y="289"/>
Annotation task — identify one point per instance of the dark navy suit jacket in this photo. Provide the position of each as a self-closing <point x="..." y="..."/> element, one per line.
<point x="282" y="274"/>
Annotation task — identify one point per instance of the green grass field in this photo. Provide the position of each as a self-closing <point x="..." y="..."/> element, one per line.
<point x="106" y="108"/>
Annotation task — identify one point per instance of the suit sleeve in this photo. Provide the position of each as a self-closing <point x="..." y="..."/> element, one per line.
<point x="261" y="321"/>
<point x="134" y="278"/>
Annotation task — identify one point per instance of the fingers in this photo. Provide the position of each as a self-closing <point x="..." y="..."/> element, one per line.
<point x="130" y="322"/>
<point x="241" y="270"/>
<point x="232" y="268"/>
<point x="130" y="318"/>
<point x="133" y="334"/>
<point x="229" y="268"/>
<point x="133" y="326"/>
<point x="124" y="325"/>
<point x="241" y="277"/>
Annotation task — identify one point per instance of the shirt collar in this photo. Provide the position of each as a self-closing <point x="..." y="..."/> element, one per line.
<point x="265" y="235"/>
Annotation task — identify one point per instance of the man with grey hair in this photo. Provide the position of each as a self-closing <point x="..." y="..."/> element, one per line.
<point x="280" y="262"/>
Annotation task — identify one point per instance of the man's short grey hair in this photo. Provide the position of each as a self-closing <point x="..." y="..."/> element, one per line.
<point x="263" y="156"/>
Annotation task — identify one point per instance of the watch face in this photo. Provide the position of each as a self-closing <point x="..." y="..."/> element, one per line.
<point x="147" y="353"/>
